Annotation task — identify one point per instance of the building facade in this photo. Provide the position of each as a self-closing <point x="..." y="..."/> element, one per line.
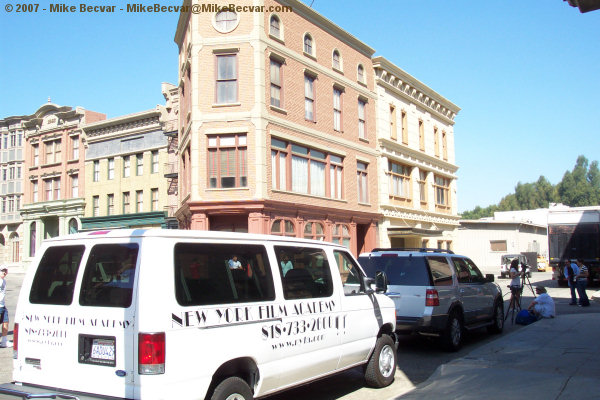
<point x="124" y="172"/>
<point x="54" y="178"/>
<point x="11" y="190"/>
<point x="277" y="125"/>
<point x="417" y="168"/>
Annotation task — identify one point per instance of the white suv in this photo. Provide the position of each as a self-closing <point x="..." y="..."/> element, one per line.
<point x="437" y="292"/>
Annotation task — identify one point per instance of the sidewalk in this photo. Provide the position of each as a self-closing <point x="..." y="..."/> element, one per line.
<point x="550" y="359"/>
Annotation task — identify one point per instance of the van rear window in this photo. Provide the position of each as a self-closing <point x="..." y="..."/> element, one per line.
<point x="400" y="270"/>
<point x="209" y="273"/>
<point x="109" y="275"/>
<point x="54" y="279"/>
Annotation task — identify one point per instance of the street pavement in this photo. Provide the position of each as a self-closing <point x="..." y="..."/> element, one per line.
<point x="551" y="359"/>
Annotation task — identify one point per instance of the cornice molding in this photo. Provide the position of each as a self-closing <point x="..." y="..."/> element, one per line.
<point x="410" y="156"/>
<point x="420" y="215"/>
<point x="139" y="123"/>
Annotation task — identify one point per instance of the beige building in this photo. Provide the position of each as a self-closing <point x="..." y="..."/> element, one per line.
<point x="124" y="171"/>
<point x="276" y="125"/>
<point x="417" y="168"/>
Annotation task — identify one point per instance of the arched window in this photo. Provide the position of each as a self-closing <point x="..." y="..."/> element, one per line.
<point x="336" y="60"/>
<point x="275" y="26"/>
<point x="341" y="234"/>
<point x="308" y="44"/>
<point x="15" y="244"/>
<point x="226" y="21"/>
<point x="283" y="227"/>
<point x="73" y="226"/>
<point x="360" y="73"/>
<point x="314" y="230"/>
<point x="32" y="236"/>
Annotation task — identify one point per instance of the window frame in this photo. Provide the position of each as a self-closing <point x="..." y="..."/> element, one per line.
<point x="219" y="81"/>
<point x="240" y="160"/>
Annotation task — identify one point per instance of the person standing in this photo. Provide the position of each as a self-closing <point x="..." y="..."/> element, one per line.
<point x="570" y="271"/>
<point x="582" y="279"/>
<point x="515" y="283"/>
<point x="4" y="342"/>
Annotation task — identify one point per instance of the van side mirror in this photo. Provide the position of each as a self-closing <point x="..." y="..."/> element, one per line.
<point x="381" y="282"/>
<point x="489" y="277"/>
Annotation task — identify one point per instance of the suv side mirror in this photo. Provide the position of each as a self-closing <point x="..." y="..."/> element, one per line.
<point x="489" y="277"/>
<point x="381" y="281"/>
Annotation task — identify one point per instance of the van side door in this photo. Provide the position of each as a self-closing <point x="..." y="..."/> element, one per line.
<point x="361" y="317"/>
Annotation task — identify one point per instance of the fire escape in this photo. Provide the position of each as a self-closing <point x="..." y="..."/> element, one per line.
<point x="171" y="173"/>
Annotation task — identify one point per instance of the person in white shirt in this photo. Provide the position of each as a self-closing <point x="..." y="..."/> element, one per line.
<point x="4" y="342"/>
<point x="543" y="305"/>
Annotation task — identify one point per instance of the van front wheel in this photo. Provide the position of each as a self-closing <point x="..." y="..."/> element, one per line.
<point x="233" y="388"/>
<point x="381" y="368"/>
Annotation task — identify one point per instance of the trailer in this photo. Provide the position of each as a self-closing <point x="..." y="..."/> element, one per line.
<point x="574" y="233"/>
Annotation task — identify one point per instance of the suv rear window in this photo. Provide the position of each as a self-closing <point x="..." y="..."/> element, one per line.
<point x="402" y="270"/>
<point x="55" y="276"/>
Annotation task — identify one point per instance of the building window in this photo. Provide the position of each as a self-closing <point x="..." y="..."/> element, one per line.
<point x="399" y="180"/>
<point x="360" y="74"/>
<point x="423" y="186"/>
<point x="154" y="166"/>
<point x="96" y="177"/>
<point x="335" y="177"/>
<point x="283" y="227"/>
<point x="226" y="21"/>
<point x="309" y="98"/>
<point x="436" y="142"/>
<point x="444" y="146"/>
<point x="73" y="226"/>
<point x="48" y="187"/>
<point x="110" y="204"/>
<point x="75" y="147"/>
<point x="32" y="238"/>
<point x="362" y="132"/>
<point x="226" y="79"/>
<point x="421" y="136"/>
<point x="125" y="202"/>
<point x="126" y="166"/>
<point x="227" y="161"/>
<point x="74" y="186"/>
<point x="442" y="190"/>
<point x="111" y="169"/>
<point x="275" y="73"/>
<point x="404" y="127"/>
<point x="18" y="172"/>
<point x="36" y="154"/>
<point x="154" y="199"/>
<point x="362" y="182"/>
<point x="139" y="201"/>
<point x="314" y="230"/>
<point x="308" y="44"/>
<point x="337" y="109"/>
<point x="34" y="191"/>
<point x="275" y="27"/>
<point x="53" y="152"/>
<point x="393" y="130"/>
<point x="498" y="245"/>
<point x="279" y="164"/>
<point x="96" y="206"/>
<point x="341" y="235"/>
<point x="56" y="188"/>
<point x="139" y="164"/>
<point x="308" y="170"/>
<point x="3" y="205"/>
<point x="336" y="60"/>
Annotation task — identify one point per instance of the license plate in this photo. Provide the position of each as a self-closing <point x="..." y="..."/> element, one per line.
<point x="103" y="349"/>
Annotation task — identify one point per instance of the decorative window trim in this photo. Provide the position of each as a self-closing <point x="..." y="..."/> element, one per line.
<point x="225" y="51"/>
<point x="214" y="21"/>
<point x="339" y="69"/>
<point x="313" y="53"/>
<point x="281" y="37"/>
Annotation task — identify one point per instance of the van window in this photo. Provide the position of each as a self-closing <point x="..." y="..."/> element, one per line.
<point x="109" y="276"/>
<point x="400" y="270"/>
<point x="350" y="273"/>
<point x="55" y="276"/>
<point x="440" y="271"/>
<point x="209" y="273"/>
<point x="305" y="272"/>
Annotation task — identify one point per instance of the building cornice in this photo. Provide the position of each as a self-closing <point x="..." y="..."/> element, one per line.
<point x="419" y="215"/>
<point x="405" y="85"/>
<point x="407" y="155"/>
<point x="138" y="122"/>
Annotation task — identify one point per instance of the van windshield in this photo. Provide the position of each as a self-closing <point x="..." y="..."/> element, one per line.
<point x="55" y="276"/>
<point x="400" y="270"/>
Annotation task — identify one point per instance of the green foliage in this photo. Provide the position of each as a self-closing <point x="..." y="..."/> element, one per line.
<point x="579" y="187"/>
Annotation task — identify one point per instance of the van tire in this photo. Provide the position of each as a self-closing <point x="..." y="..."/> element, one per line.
<point x="233" y="388"/>
<point x="453" y="334"/>
<point x="381" y="368"/>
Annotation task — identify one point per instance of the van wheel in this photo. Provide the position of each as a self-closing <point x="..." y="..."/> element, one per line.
<point x="497" y="318"/>
<point x="381" y="367"/>
<point x="452" y="335"/>
<point x="233" y="388"/>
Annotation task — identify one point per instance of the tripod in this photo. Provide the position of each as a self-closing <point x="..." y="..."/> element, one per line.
<point x="516" y="293"/>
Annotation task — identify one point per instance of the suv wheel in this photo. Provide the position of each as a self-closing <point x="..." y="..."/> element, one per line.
<point x="452" y="335"/>
<point x="497" y="318"/>
<point x="381" y="368"/>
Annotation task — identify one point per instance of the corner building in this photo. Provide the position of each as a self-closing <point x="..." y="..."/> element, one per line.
<point x="276" y="125"/>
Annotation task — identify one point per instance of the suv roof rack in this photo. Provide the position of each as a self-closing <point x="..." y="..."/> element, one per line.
<point x="419" y="249"/>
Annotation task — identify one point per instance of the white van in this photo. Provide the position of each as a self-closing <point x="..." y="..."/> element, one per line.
<point x="168" y="314"/>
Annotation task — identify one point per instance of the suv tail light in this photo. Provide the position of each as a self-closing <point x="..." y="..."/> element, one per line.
<point x="432" y="298"/>
<point x="151" y="353"/>
<point x="16" y="340"/>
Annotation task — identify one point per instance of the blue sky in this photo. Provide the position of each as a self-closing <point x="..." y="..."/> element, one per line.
<point x="524" y="73"/>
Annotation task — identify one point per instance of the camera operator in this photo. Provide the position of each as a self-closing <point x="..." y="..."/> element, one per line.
<point x="515" y="283"/>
